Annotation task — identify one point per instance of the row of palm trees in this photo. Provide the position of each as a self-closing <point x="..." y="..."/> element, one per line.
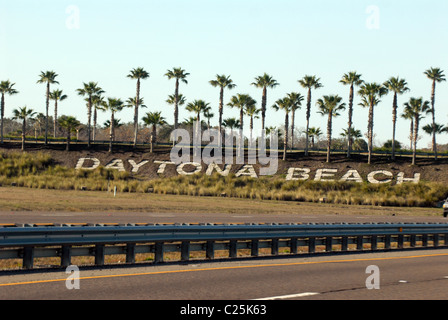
<point x="329" y="105"/>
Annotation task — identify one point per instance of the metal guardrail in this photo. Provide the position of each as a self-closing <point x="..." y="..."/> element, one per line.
<point x="28" y="242"/>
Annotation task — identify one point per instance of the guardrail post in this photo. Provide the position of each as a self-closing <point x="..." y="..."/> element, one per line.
<point x="232" y="249"/>
<point x="99" y="254"/>
<point x="185" y="251"/>
<point x="254" y="248"/>
<point x="274" y="247"/>
<point x="400" y="241"/>
<point x="66" y="256"/>
<point x="344" y="243"/>
<point x="424" y="240"/>
<point x="130" y="253"/>
<point x="210" y="250"/>
<point x="445" y="239"/>
<point x="413" y="240"/>
<point x="387" y="240"/>
<point x="158" y="252"/>
<point x="28" y="257"/>
<point x="293" y="246"/>
<point x="359" y="242"/>
<point x="328" y="244"/>
<point x="373" y="242"/>
<point x="312" y="245"/>
<point x="436" y="240"/>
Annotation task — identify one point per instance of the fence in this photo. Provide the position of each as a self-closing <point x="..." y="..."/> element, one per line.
<point x="27" y="242"/>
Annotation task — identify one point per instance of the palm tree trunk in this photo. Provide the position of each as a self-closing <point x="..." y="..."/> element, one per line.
<point x="221" y="110"/>
<point x="411" y="134"/>
<point x="285" y="144"/>
<point x="241" y="138"/>
<point x="2" y="112"/>
<point x="329" y="124"/>
<point x="394" y="124"/>
<point x="89" y="119"/>
<point x="153" y="137"/>
<point x="176" y="104"/>
<point x="95" y="117"/>
<point x="136" y="113"/>
<point x="111" y="131"/>
<point x="55" y="120"/>
<point x="433" y="102"/>
<point x="251" y="125"/>
<point x="69" y="129"/>
<point x="350" y="121"/>
<point x="293" y="116"/>
<point x="370" y="133"/>
<point x="46" y="114"/>
<point x="23" y="133"/>
<point x="308" y="114"/>
<point x="414" y="150"/>
<point x="263" y="108"/>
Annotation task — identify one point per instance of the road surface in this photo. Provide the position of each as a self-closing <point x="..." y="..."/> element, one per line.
<point x="399" y="275"/>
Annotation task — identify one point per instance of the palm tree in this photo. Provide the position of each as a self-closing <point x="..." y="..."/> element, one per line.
<point x="56" y="95"/>
<point x="438" y="128"/>
<point x="208" y="114"/>
<point x="309" y="82"/>
<point x="90" y="90"/>
<point x="117" y="124"/>
<point x="285" y="105"/>
<point x="241" y="102"/>
<point x="296" y="103"/>
<point x="265" y="81"/>
<point x="113" y="105"/>
<point x="23" y="114"/>
<point x="370" y="93"/>
<point x="313" y="133"/>
<point x="97" y="102"/>
<point x="6" y="87"/>
<point x="353" y="134"/>
<point x="132" y="102"/>
<point x="252" y="112"/>
<point x="398" y="87"/>
<point x="407" y="115"/>
<point x="231" y="123"/>
<point x="351" y="79"/>
<point x="180" y="75"/>
<point x="417" y="108"/>
<point x="153" y="119"/>
<point x="70" y="124"/>
<point x="223" y="82"/>
<point x="437" y="76"/>
<point x="331" y="106"/>
<point x="48" y="77"/>
<point x="197" y="107"/>
<point x="139" y="74"/>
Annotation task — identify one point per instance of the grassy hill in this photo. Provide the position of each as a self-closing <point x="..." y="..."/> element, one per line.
<point x="50" y="167"/>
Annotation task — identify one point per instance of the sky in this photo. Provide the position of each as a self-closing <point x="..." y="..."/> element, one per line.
<point x="102" y="40"/>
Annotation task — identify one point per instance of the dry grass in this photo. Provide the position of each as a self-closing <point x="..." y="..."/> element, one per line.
<point x="39" y="172"/>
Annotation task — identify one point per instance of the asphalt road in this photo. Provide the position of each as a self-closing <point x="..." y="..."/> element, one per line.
<point x="405" y="275"/>
<point x="401" y="276"/>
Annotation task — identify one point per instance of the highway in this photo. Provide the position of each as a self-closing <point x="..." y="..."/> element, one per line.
<point x="406" y="275"/>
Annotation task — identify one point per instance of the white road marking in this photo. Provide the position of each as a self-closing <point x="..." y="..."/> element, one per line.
<point x="291" y="296"/>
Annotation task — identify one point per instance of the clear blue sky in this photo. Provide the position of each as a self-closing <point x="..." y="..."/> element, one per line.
<point x="242" y="38"/>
